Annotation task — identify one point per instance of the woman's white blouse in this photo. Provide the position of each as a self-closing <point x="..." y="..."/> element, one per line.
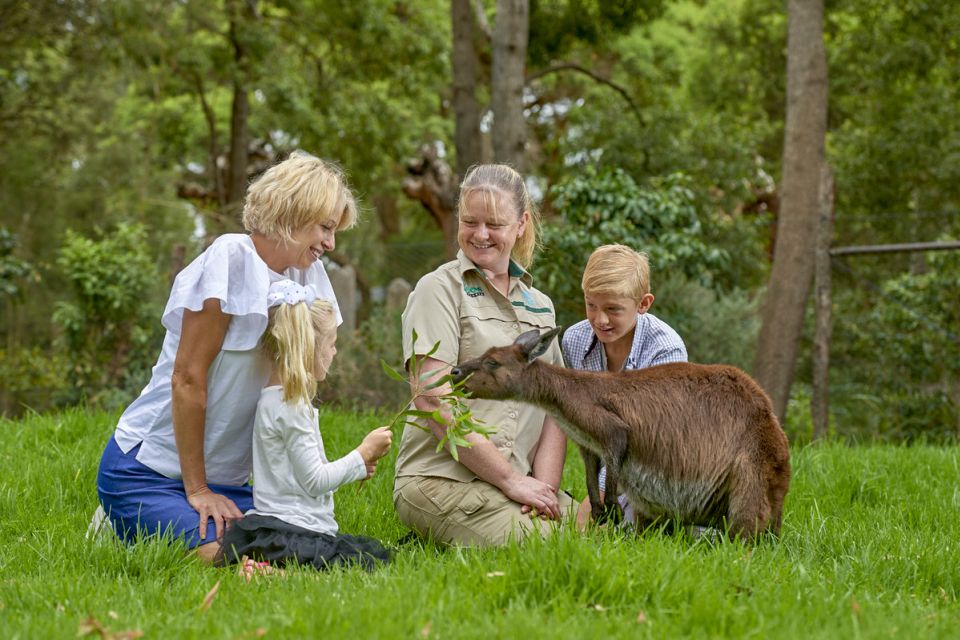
<point x="292" y="478"/>
<point x="231" y="271"/>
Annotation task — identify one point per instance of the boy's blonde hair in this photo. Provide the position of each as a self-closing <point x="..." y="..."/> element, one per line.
<point x="294" y="333"/>
<point x="503" y="180"/>
<point x="302" y="190"/>
<point x="617" y="270"/>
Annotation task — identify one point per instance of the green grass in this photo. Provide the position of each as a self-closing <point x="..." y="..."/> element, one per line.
<point x="869" y="549"/>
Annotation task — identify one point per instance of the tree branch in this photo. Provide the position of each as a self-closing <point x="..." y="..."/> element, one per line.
<point x="212" y="148"/>
<point x="572" y="66"/>
<point x="482" y="22"/>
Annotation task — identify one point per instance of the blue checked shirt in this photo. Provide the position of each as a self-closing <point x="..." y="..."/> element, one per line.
<point x="654" y="342"/>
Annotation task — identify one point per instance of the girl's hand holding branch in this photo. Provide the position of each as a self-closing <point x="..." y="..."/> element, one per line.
<point x="375" y="445"/>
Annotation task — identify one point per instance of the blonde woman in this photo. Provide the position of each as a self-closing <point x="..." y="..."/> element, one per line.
<point x="179" y="460"/>
<point x="292" y="519"/>
<point x="504" y="488"/>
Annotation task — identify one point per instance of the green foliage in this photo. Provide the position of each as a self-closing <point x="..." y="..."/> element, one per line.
<point x="356" y="380"/>
<point x="558" y="27"/>
<point x="901" y="358"/>
<point x="608" y="206"/>
<point x="32" y="378"/>
<point x="13" y="270"/>
<point x="868" y="549"/>
<point x="895" y="119"/>
<point x="716" y="326"/>
<point x="110" y="330"/>
<point x="453" y="401"/>
<point x="720" y="124"/>
<point x="108" y="107"/>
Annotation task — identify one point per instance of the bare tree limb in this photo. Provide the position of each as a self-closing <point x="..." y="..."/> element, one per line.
<point x="212" y="147"/>
<point x="572" y="66"/>
<point x="432" y="183"/>
<point x="482" y="23"/>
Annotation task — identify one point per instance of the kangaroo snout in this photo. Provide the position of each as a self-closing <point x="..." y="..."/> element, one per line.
<point x="459" y="373"/>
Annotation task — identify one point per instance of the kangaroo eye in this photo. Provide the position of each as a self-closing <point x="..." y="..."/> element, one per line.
<point x="491" y="364"/>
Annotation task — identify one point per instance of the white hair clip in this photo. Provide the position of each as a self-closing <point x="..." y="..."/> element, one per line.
<point x="289" y="292"/>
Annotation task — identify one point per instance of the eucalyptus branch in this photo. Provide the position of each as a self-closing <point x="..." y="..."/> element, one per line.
<point x="462" y="422"/>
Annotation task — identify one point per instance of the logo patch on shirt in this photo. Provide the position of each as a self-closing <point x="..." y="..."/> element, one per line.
<point x="473" y="292"/>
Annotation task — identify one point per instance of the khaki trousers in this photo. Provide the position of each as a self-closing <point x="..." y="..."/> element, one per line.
<point x="468" y="513"/>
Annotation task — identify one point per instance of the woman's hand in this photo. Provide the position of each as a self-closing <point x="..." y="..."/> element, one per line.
<point x="375" y="445"/>
<point x="201" y="337"/>
<point x="213" y="505"/>
<point x="534" y="495"/>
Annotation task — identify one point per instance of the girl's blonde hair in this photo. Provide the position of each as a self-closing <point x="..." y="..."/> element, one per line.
<point x="301" y="191"/>
<point x="294" y="333"/>
<point x="617" y="270"/>
<point x="503" y="180"/>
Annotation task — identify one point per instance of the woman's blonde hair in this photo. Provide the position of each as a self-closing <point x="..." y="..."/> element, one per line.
<point x="503" y="180"/>
<point x="302" y="190"/>
<point x="294" y="333"/>
<point x="617" y="270"/>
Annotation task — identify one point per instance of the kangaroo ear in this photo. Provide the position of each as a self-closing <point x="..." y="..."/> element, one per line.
<point x="527" y="341"/>
<point x="534" y="344"/>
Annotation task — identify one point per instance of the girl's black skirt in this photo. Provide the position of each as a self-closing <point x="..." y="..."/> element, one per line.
<point x="265" y="538"/>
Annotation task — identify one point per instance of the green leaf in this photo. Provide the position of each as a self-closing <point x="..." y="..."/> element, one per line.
<point x="433" y="349"/>
<point x="393" y="373"/>
<point x="414" y="423"/>
<point x="437" y="383"/>
<point x="426" y="374"/>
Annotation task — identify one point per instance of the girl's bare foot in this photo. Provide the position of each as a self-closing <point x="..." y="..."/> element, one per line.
<point x="250" y="568"/>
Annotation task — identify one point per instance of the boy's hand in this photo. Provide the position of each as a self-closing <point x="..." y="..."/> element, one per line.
<point x="371" y="469"/>
<point x="375" y="445"/>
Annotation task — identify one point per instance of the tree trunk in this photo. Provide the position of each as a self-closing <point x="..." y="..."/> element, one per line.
<point x="431" y="182"/>
<point x="238" y="146"/>
<point x="820" y="402"/>
<point x="465" y="64"/>
<point x="385" y="204"/>
<point x="239" y="114"/>
<point x="507" y="81"/>
<point x="213" y="145"/>
<point x="803" y="154"/>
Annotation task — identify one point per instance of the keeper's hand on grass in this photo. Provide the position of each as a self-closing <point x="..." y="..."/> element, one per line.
<point x="375" y="445"/>
<point x="213" y="505"/>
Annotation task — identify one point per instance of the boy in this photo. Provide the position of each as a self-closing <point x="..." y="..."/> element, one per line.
<point x="618" y="333"/>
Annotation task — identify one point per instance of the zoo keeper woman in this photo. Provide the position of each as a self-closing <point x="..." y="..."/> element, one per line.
<point x="503" y="488"/>
<point x="179" y="461"/>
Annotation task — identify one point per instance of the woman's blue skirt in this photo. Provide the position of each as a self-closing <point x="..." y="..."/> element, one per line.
<point x="141" y="502"/>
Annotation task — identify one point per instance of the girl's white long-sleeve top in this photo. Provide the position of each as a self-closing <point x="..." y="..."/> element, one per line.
<point x="292" y="478"/>
<point x="230" y="271"/>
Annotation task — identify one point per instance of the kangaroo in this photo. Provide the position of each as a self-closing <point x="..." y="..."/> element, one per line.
<point x="691" y="442"/>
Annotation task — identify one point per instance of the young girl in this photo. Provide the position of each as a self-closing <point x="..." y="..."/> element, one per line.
<point x="293" y="482"/>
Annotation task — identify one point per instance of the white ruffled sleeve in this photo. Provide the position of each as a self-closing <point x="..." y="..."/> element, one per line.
<point x="230" y="271"/>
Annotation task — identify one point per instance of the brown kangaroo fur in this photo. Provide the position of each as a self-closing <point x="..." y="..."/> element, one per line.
<point x="692" y="442"/>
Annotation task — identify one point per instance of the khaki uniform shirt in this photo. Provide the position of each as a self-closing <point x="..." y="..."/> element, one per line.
<point x="457" y="306"/>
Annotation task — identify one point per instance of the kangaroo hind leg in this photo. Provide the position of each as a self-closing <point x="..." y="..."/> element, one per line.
<point x="749" y="506"/>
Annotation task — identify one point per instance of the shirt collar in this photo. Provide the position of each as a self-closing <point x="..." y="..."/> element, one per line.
<point x="514" y="270"/>
<point x="638" y="332"/>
